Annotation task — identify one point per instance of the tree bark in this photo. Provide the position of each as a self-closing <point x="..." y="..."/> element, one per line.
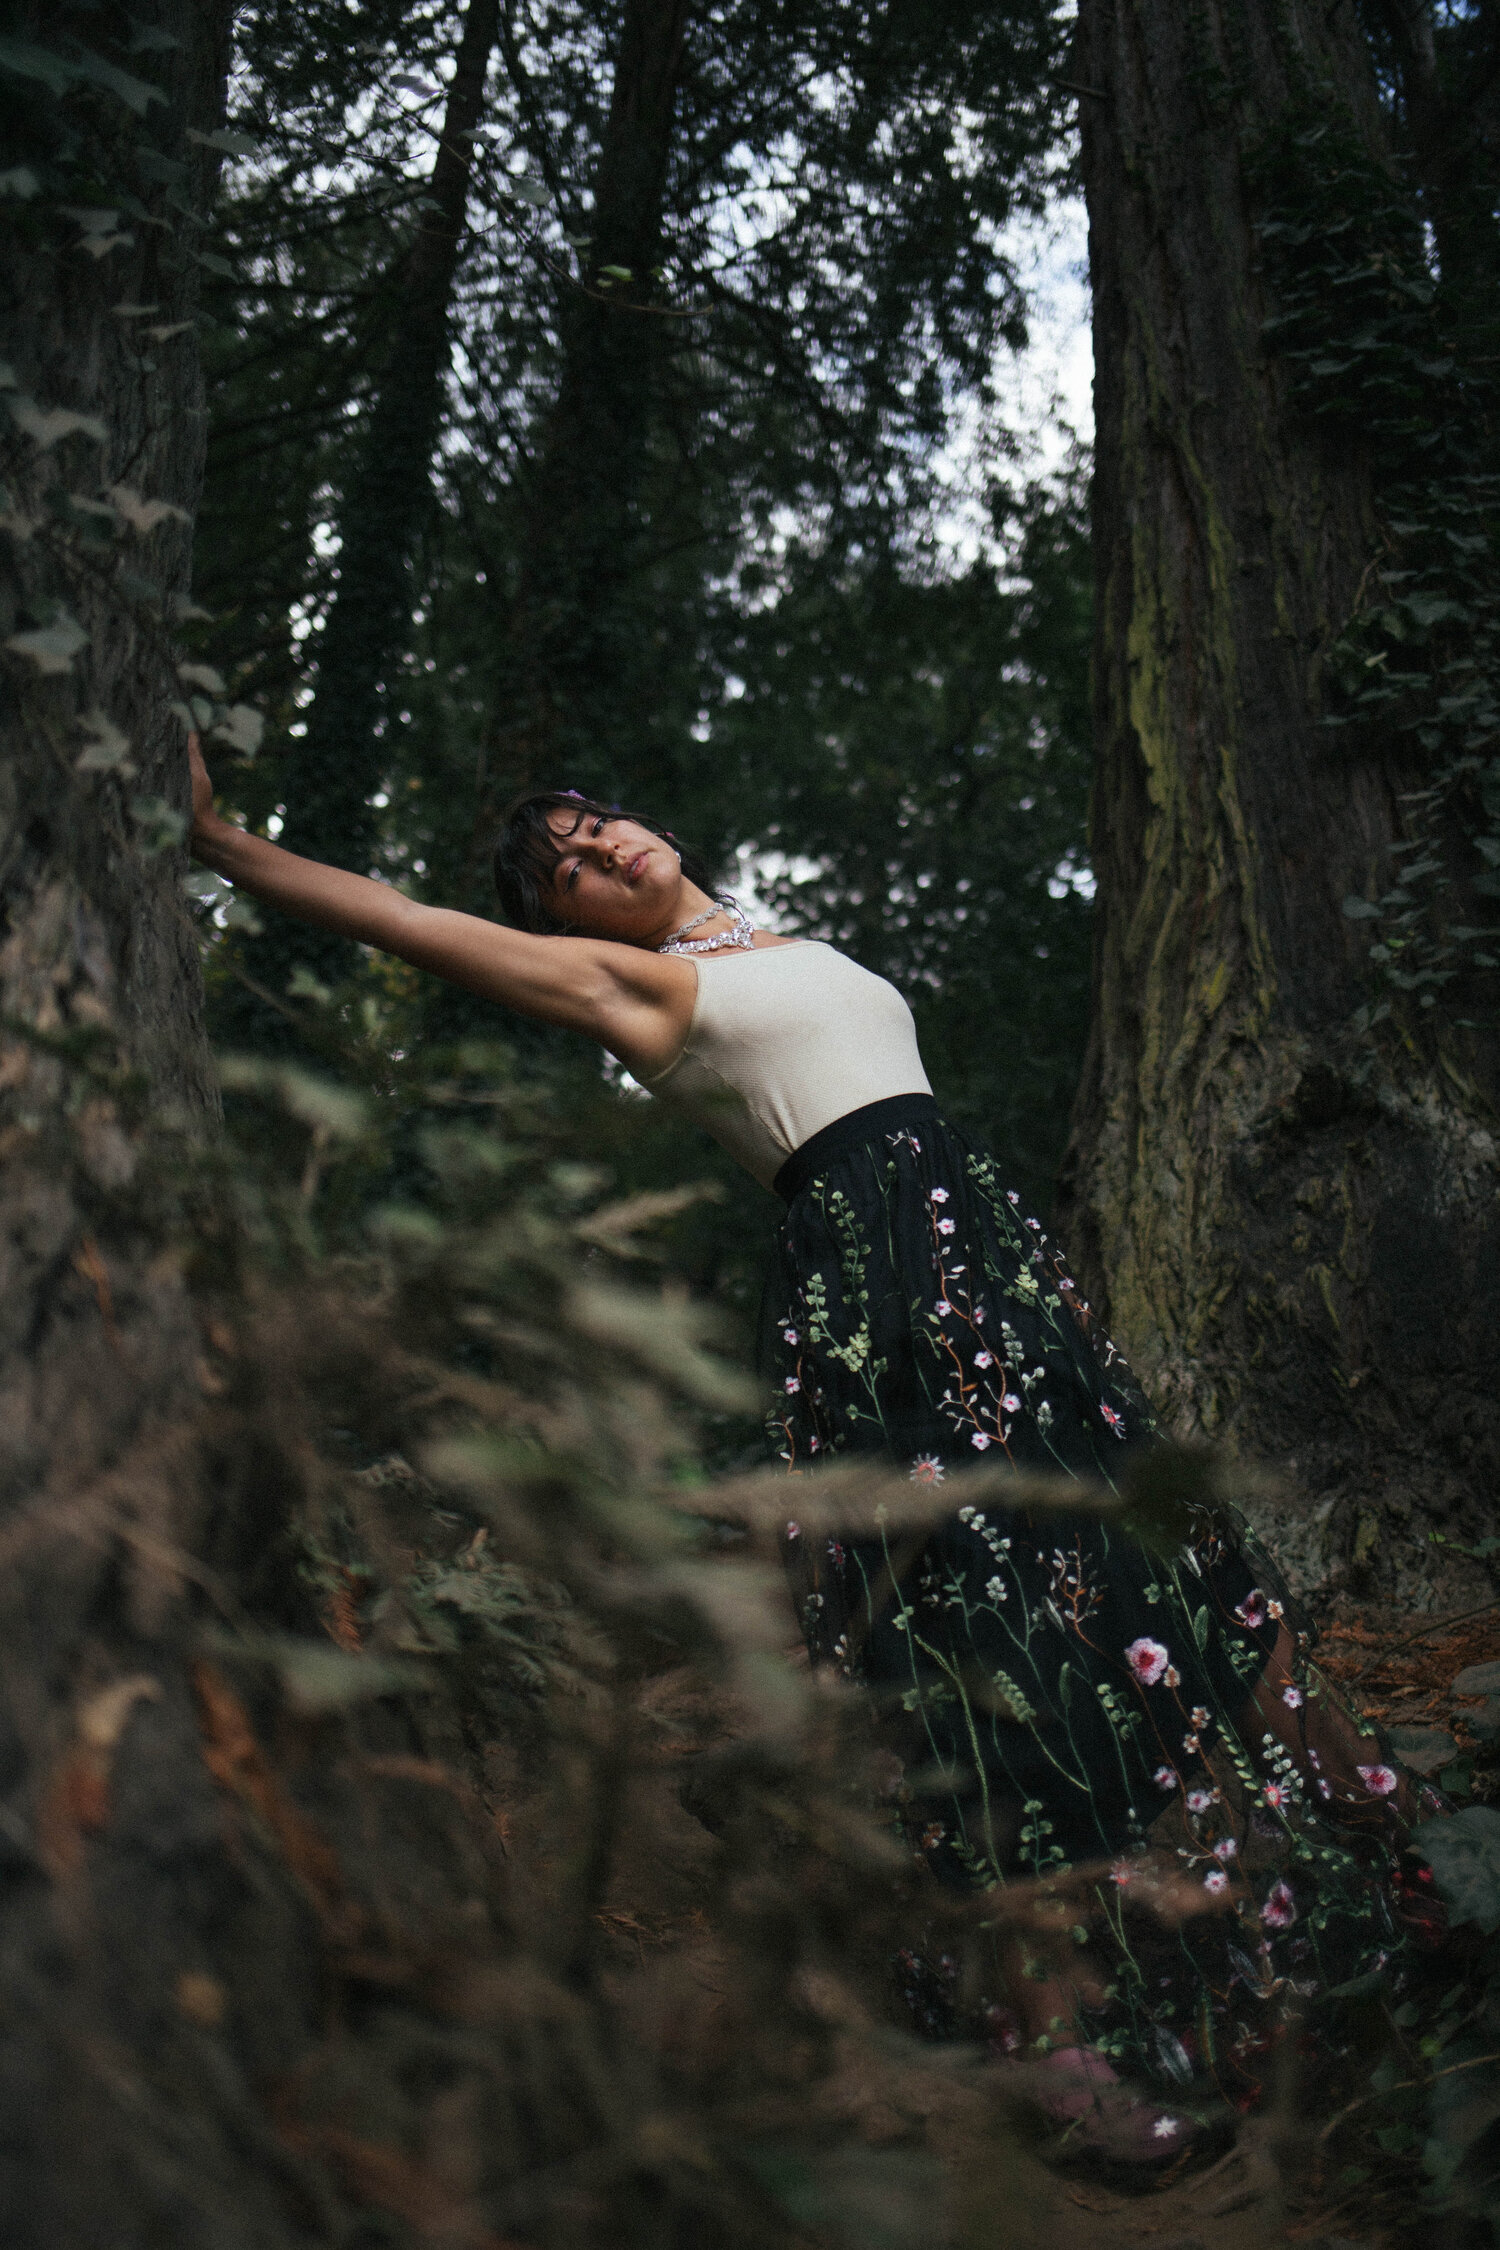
<point x="576" y="645"/>
<point x="100" y="991"/>
<point x="1296" y="1239"/>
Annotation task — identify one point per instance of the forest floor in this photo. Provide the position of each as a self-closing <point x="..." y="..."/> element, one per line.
<point x="950" y="2120"/>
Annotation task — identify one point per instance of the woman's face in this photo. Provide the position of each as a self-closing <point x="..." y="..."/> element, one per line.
<point x="614" y="878"/>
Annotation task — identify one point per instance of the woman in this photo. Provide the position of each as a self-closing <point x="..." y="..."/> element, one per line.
<point x="1061" y="1685"/>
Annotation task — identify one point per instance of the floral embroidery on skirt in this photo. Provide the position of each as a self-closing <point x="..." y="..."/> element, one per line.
<point x="1071" y="1685"/>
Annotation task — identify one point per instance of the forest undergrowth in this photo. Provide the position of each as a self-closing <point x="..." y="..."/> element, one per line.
<point x="537" y="1892"/>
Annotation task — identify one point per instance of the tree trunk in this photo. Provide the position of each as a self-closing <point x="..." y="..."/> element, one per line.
<point x="576" y="644"/>
<point x="99" y="976"/>
<point x="338" y="769"/>
<point x="1296" y="1238"/>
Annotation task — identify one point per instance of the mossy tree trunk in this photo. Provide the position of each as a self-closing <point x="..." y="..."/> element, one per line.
<point x="1296" y="1238"/>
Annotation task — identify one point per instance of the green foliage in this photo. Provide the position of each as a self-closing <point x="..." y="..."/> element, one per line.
<point x="1392" y="349"/>
<point x="927" y="734"/>
<point x="110" y="170"/>
<point x="782" y="643"/>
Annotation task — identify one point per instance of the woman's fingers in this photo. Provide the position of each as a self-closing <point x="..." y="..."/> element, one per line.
<point x="203" y="788"/>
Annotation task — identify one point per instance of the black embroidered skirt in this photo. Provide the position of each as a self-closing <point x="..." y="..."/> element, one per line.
<point x="1067" y="1678"/>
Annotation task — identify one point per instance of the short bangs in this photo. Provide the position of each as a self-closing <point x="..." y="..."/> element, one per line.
<point x="528" y="849"/>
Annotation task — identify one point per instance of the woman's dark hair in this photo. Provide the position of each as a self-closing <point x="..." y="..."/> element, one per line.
<point x="528" y="849"/>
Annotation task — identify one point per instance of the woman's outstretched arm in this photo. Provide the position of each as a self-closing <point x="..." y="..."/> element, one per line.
<point x="635" y="1003"/>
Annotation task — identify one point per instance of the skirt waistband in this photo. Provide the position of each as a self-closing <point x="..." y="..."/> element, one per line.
<point x="850" y="1132"/>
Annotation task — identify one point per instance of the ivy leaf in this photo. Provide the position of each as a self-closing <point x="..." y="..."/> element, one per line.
<point x="530" y="191"/>
<point x="107" y="750"/>
<point x="166" y="171"/>
<point x="136" y="93"/>
<point x="1360" y="910"/>
<point x="211" y="262"/>
<point x="45" y="425"/>
<point x="144" y="515"/>
<point x="241" y="727"/>
<point x="1433" y="609"/>
<point x="22" y="183"/>
<point x="159" y="825"/>
<point x="231" y="144"/>
<point x="41" y="63"/>
<point x="51" y="648"/>
<point x="201" y="676"/>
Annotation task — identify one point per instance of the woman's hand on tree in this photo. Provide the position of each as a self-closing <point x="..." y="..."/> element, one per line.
<point x="204" y="816"/>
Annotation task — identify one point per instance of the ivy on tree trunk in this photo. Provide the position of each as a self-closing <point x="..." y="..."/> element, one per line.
<point x="1300" y="1252"/>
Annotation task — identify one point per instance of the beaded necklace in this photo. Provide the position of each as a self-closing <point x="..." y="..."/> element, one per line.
<point x="739" y="939"/>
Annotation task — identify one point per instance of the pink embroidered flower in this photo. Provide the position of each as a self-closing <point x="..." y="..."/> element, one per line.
<point x="1011" y="1403"/>
<point x="927" y="1469"/>
<point x="1324" y="1791"/>
<point x="1274" y="1795"/>
<point x="1167" y="2128"/>
<point x="942" y="1308"/>
<point x="1379" y="1780"/>
<point x="1147" y="1660"/>
<point x="946" y="1226"/>
<point x="1225" y="1848"/>
<point x="789" y="1335"/>
<point x="984" y="1359"/>
<point x="1171" y="1677"/>
<point x="1252" y="1610"/>
<point x="794" y="1531"/>
<point x="1011" y="1196"/>
<point x="1165" y="1777"/>
<point x="1291" y="1696"/>
<point x="1115" y="1421"/>
<point x="1191" y="1746"/>
<point x="937" y="1195"/>
<point x="1216" y="1880"/>
<point x="1121" y="1874"/>
<point x="1199" y="1800"/>
<point x="1200" y="1715"/>
<point x="1274" y="1609"/>
<point x="791" y="1386"/>
<point x="1280" y="1909"/>
<point x="814" y="1445"/>
<point x="981" y="1441"/>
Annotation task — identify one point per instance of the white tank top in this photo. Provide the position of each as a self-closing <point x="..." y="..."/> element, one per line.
<point x="784" y="1039"/>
